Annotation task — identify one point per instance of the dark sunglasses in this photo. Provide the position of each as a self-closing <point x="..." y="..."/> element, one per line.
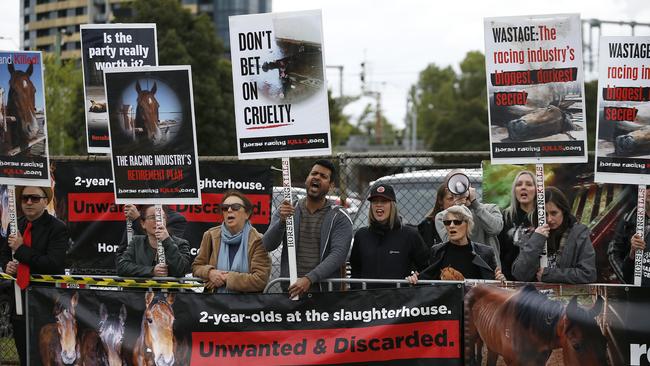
<point x="456" y="222"/>
<point x="31" y="197"/>
<point x="234" y="206"/>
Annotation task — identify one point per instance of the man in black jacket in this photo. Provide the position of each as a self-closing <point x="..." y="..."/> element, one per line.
<point x="38" y="247"/>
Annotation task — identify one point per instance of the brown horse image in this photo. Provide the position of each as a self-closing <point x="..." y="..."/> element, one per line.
<point x="525" y="326"/>
<point x="57" y="342"/>
<point x="146" y="114"/>
<point x="633" y="143"/>
<point x="156" y="344"/>
<point x="21" y="104"/>
<point x="97" y="107"/>
<point x="541" y="122"/>
<point x="104" y="346"/>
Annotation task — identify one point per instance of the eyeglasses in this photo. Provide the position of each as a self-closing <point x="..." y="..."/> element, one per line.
<point x="456" y="222"/>
<point x="31" y="197"/>
<point x="234" y="206"/>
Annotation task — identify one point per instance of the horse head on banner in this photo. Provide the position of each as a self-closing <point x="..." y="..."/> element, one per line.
<point x="156" y="344"/>
<point x="525" y="326"/>
<point x="58" y="341"/>
<point x="146" y="113"/>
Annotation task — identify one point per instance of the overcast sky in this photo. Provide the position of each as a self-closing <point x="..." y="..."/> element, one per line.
<point x="399" y="38"/>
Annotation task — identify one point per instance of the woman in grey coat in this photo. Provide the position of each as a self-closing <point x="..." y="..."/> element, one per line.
<point x="571" y="256"/>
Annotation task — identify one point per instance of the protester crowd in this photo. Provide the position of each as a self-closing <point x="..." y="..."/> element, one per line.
<point x="460" y="238"/>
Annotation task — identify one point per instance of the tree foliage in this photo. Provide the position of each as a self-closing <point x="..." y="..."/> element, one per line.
<point x="185" y="39"/>
<point x="65" y="107"/>
<point x="451" y="108"/>
<point x="340" y="125"/>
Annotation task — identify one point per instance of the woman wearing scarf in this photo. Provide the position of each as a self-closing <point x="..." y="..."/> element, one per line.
<point x="386" y="249"/>
<point x="232" y="258"/>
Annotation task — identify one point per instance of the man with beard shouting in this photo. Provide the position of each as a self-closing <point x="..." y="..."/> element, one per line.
<point x="323" y="232"/>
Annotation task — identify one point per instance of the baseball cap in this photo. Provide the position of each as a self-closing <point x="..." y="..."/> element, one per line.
<point x="382" y="190"/>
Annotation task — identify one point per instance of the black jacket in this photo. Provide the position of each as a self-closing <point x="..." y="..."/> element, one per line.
<point x="49" y="243"/>
<point x="619" y="248"/>
<point x="138" y="260"/>
<point x="515" y="232"/>
<point x="484" y="259"/>
<point x="387" y="254"/>
<point x="428" y="232"/>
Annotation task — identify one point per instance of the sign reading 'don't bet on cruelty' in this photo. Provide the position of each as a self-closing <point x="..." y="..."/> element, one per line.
<point x="279" y="85"/>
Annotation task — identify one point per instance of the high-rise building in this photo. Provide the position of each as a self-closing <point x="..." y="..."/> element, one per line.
<point x="220" y="10"/>
<point x="47" y="25"/>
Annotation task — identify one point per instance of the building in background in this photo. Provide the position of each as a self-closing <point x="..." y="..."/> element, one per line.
<point x="53" y="25"/>
<point x="47" y="25"/>
<point x="220" y="10"/>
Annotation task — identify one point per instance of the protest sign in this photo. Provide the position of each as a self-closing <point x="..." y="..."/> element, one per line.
<point x="279" y="85"/>
<point x="105" y="46"/>
<point x="24" y="158"/>
<point x="535" y="89"/>
<point x="623" y="122"/>
<point x="154" y="153"/>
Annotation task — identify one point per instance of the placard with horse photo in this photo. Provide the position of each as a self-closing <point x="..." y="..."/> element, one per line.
<point x="153" y="150"/>
<point x="23" y="128"/>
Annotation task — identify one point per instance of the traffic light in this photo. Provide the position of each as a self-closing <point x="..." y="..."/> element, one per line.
<point x="363" y="72"/>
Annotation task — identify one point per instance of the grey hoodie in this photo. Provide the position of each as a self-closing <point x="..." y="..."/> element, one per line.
<point x="335" y="239"/>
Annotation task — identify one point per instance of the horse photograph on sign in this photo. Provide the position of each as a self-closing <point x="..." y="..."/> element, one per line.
<point x="23" y="127"/>
<point x="153" y="135"/>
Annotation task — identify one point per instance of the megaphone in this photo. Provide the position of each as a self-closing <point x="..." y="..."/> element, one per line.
<point x="458" y="184"/>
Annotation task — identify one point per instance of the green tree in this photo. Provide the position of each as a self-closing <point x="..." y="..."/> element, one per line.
<point x="451" y="108"/>
<point x="340" y="125"/>
<point x="65" y="107"/>
<point x="184" y="39"/>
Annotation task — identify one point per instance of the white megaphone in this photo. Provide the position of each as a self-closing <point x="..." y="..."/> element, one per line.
<point x="458" y="184"/>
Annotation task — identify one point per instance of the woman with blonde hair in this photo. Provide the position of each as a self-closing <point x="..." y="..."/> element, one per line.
<point x="386" y="249"/>
<point x="459" y="258"/>
<point x="519" y="219"/>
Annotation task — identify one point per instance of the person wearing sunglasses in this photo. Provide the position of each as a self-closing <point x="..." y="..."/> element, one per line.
<point x="460" y="257"/>
<point x="140" y="259"/>
<point x="39" y="247"/>
<point x="487" y="217"/>
<point x="386" y="248"/>
<point x="571" y="256"/>
<point x="232" y="258"/>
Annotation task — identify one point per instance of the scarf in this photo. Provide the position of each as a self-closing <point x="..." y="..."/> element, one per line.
<point x="240" y="261"/>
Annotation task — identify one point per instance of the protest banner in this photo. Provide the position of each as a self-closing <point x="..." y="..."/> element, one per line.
<point x="545" y="324"/>
<point x="409" y="326"/>
<point x="85" y="201"/>
<point x="24" y="158"/>
<point x="105" y="46"/>
<point x="623" y="119"/>
<point x="535" y="89"/>
<point x="279" y="85"/>
<point x="154" y="153"/>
